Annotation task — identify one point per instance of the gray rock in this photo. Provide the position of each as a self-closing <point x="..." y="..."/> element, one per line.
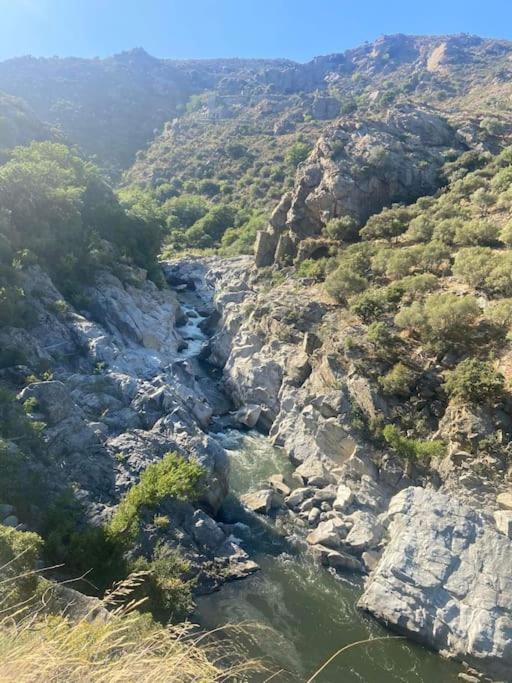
<point x="329" y="533"/>
<point x="313" y="516"/>
<point x="261" y="501"/>
<point x="340" y="560"/>
<point x="504" y="500"/>
<point x="11" y="520"/>
<point x="366" y="532"/>
<point x="205" y="531"/>
<point x="444" y="579"/>
<point x="344" y="497"/>
<point x="277" y="482"/>
<point x="370" y="559"/>
<point x="53" y="401"/>
<point x="503" y="519"/>
<point x="248" y="415"/>
<point x="298" y="496"/>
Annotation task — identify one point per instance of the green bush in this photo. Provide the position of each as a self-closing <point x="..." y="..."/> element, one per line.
<point x="344" y="282"/>
<point x="398" y="381"/>
<point x="476" y="232"/>
<point x="297" y="153"/>
<point x="168" y="594"/>
<point x="475" y="381"/>
<point x="344" y="229"/>
<point x="388" y="224"/>
<point x="412" y="449"/>
<point x="173" y="476"/>
<point x="500" y="313"/>
<point x="444" y="320"/>
<point x="19" y="552"/>
<point x="474" y="265"/>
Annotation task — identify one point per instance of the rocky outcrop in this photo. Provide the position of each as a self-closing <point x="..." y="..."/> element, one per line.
<point x="444" y="580"/>
<point x="125" y="391"/>
<point x="359" y="166"/>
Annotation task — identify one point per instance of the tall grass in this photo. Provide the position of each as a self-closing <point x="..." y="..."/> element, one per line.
<point x="120" y="646"/>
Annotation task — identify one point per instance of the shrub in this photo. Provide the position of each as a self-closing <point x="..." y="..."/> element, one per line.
<point x="344" y="229"/>
<point x="474" y="264"/>
<point x="400" y="262"/>
<point x="499" y="280"/>
<point x="312" y="268"/>
<point x="371" y="304"/>
<point x="389" y="223"/>
<point x="435" y="257"/>
<point x="173" y="476"/>
<point x="500" y="313"/>
<point x="344" y="282"/>
<point x="398" y="381"/>
<point x="506" y="234"/>
<point x="169" y="596"/>
<point x="475" y="381"/>
<point x="476" y="232"/>
<point x="420" y="229"/>
<point x="297" y="153"/>
<point x="444" y="320"/>
<point x="19" y="552"/>
<point x="411" y="449"/>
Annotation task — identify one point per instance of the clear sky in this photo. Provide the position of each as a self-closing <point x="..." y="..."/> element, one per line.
<point x="298" y="29"/>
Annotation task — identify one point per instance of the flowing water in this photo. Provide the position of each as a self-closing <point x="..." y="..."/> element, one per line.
<point x="297" y="614"/>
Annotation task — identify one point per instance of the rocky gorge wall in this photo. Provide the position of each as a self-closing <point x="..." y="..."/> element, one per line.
<point x="436" y="551"/>
<point x="122" y="393"/>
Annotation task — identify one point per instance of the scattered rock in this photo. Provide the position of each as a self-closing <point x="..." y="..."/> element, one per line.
<point x="261" y="501"/>
<point x="366" y="532"/>
<point x="504" y="500"/>
<point x="344" y="497"/>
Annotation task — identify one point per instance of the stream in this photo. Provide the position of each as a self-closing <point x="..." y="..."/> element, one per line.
<point x="296" y="614"/>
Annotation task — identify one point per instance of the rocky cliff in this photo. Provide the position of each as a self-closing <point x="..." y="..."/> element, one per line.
<point x="436" y="549"/>
<point x="122" y="393"/>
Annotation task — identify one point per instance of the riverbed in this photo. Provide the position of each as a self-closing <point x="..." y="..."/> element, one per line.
<point x="296" y="614"/>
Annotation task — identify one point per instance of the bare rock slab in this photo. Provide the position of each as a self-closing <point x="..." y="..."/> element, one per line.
<point x="445" y="580"/>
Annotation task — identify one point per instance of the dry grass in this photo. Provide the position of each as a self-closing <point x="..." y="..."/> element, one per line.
<point x="122" y="646"/>
<point x="122" y="650"/>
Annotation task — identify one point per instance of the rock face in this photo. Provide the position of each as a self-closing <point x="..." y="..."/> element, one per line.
<point x="444" y="579"/>
<point x="123" y="394"/>
<point x="359" y="166"/>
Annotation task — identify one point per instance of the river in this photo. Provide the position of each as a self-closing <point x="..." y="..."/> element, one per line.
<point x="297" y="614"/>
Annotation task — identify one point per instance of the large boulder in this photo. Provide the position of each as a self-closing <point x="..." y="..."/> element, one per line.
<point x="444" y="579"/>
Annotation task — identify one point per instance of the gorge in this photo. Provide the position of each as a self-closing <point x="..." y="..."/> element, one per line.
<point x="257" y="361"/>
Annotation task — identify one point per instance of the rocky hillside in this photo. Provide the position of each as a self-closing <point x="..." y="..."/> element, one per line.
<point x="369" y="336"/>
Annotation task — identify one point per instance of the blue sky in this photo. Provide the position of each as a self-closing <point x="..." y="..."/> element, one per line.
<point x="298" y="29"/>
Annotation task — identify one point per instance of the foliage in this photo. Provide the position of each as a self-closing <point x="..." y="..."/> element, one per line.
<point x="398" y="381"/>
<point x="344" y="229"/>
<point x="411" y="449"/>
<point x="475" y="381"/>
<point x="444" y="320"/>
<point x="297" y="153"/>
<point x="19" y="552"/>
<point x="344" y="282"/>
<point x="173" y="476"/>
<point x="387" y="224"/>
<point x="168" y="595"/>
<point x="60" y="209"/>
